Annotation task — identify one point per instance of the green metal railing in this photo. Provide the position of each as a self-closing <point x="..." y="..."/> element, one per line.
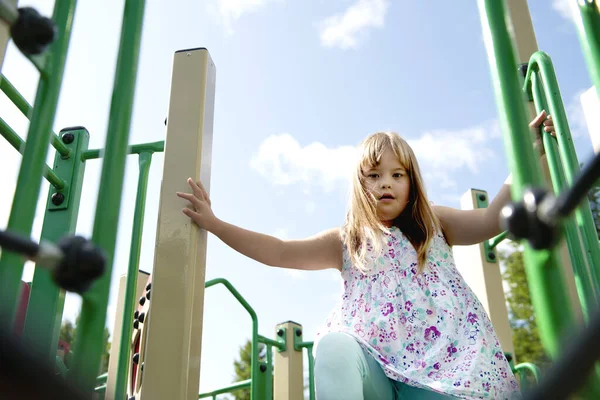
<point x="548" y="291"/>
<point x="90" y="331"/>
<point x="34" y="155"/>
<point x="554" y="315"/>
<point x="542" y="87"/>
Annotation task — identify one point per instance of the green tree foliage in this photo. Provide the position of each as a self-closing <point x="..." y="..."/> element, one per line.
<point x="526" y="339"/>
<point x="528" y="347"/>
<point x="243" y="367"/>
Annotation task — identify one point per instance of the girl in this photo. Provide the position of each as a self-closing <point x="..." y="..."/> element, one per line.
<point x="407" y="326"/>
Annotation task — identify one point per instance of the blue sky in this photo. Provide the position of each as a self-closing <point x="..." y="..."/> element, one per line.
<point x="299" y="83"/>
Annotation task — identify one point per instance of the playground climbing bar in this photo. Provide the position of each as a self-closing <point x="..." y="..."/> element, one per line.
<point x="90" y="331"/>
<point x="34" y="157"/>
<point x="145" y="158"/>
<point x="586" y="286"/>
<point x="21" y="103"/>
<point x="587" y="19"/>
<point x="548" y="292"/>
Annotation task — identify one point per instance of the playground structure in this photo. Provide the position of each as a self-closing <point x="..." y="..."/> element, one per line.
<point x="163" y="308"/>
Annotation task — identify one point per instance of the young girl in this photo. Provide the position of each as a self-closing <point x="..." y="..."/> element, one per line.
<point x="407" y="325"/>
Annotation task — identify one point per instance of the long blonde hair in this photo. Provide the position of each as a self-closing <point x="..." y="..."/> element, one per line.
<point x="363" y="227"/>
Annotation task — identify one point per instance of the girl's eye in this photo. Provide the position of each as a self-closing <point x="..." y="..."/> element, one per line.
<point x="398" y="175"/>
<point x="373" y="176"/>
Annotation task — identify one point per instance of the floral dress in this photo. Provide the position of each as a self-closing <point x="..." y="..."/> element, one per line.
<point x="427" y="330"/>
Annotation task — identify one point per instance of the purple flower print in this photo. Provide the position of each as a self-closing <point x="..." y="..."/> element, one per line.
<point x="432" y="334"/>
<point x="472" y="318"/>
<point x="429" y="312"/>
<point x="436" y="365"/>
<point x="387" y="309"/>
<point x="451" y="350"/>
<point x="408" y="305"/>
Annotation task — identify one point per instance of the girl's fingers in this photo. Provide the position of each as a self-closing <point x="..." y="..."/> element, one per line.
<point x="195" y="188"/>
<point x="196" y="202"/>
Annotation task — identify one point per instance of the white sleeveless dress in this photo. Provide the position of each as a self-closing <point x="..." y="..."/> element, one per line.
<point x="427" y="330"/>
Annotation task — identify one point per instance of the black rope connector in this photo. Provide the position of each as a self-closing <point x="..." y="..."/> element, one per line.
<point x="81" y="265"/>
<point x="31" y="32"/>
<point x="529" y="219"/>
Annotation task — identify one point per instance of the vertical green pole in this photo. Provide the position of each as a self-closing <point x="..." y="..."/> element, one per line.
<point x="583" y="213"/>
<point x="34" y="157"/>
<point x="46" y="301"/>
<point x="588" y="28"/>
<point x="586" y="288"/>
<point x="548" y="293"/>
<point x="88" y="342"/>
<point x="145" y="159"/>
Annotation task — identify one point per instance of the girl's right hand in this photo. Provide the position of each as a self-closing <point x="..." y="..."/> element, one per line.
<point x="201" y="212"/>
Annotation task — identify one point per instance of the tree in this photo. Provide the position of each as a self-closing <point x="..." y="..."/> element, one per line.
<point x="528" y="347"/>
<point x="243" y="367"/>
<point x="594" y="198"/>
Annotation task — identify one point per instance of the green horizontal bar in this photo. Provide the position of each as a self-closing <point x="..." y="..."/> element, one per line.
<point x="18" y="100"/>
<point x="228" y="389"/>
<point x="271" y="342"/>
<point x="152" y="147"/>
<point x="18" y="144"/>
<point x="495" y="241"/>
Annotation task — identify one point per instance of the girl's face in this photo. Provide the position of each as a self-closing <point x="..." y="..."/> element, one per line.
<point x="389" y="184"/>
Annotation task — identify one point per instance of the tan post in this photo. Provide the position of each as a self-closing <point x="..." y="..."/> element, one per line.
<point x="526" y="44"/>
<point x="483" y="275"/>
<point x="288" y="379"/>
<point x="115" y="346"/>
<point x="173" y="326"/>
<point x="5" y="34"/>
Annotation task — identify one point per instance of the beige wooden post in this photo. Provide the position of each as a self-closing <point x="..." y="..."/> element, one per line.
<point x="174" y="323"/>
<point x="526" y="44"/>
<point x="484" y="277"/>
<point x="5" y="35"/>
<point x="288" y="373"/>
<point x="116" y="340"/>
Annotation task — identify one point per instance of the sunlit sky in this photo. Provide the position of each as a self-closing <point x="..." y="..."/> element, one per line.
<point x="299" y="83"/>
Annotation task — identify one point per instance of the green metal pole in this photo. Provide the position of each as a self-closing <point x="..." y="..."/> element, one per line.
<point x="134" y="262"/>
<point x="19" y="101"/>
<point x="586" y="288"/>
<point x="255" y="337"/>
<point x="46" y="301"/>
<point x="583" y="214"/>
<point x="548" y="293"/>
<point x="588" y="28"/>
<point x="18" y="144"/>
<point x="153" y="147"/>
<point x="90" y="331"/>
<point x="34" y="157"/>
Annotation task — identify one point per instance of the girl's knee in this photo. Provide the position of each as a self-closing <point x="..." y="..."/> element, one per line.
<point x="335" y="344"/>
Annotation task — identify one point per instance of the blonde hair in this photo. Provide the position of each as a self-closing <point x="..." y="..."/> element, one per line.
<point x="363" y="227"/>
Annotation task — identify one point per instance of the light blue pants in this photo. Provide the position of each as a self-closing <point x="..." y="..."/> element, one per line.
<point x="344" y="371"/>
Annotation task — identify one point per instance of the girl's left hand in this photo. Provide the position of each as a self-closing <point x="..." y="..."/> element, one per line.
<point x="548" y="127"/>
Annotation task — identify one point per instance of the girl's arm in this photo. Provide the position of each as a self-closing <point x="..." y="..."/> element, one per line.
<point x="321" y="251"/>
<point x="467" y="227"/>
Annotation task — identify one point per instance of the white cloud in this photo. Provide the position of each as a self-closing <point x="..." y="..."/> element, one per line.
<point x="310" y="207"/>
<point x="563" y="7"/>
<point x="441" y="153"/>
<point x="345" y="30"/>
<point x="590" y="112"/>
<point x="230" y="11"/>
<point x="282" y="160"/>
